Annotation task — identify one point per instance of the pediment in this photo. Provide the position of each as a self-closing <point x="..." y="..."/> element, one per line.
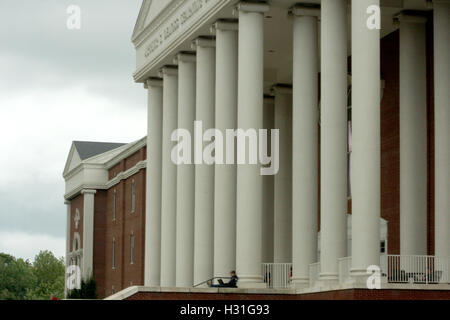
<point x="150" y="10"/>
<point x="73" y="160"/>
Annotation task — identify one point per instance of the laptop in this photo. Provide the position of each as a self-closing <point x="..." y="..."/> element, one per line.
<point x="220" y="282"/>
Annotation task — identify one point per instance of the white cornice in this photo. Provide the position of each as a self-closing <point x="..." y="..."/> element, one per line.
<point x="126" y="174"/>
<point x="153" y="61"/>
<point x="147" y="31"/>
<point x="86" y="188"/>
<point x="129" y="151"/>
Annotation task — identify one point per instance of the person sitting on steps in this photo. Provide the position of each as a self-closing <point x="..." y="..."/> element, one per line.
<point x="231" y="284"/>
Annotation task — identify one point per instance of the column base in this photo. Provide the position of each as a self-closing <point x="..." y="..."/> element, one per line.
<point x="300" y="283"/>
<point x="359" y="277"/>
<point x="249" y="282"/>
<point x="328" y="279"/>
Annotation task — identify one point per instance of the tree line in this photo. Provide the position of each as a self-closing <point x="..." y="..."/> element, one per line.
<point x="38" y="280"/>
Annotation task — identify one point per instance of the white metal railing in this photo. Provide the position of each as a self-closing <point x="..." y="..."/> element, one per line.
<point x="344" y="269"/>
<point x="314" y="272"/>
<point x="277" y="275"/>
<point x="417" y="269"/>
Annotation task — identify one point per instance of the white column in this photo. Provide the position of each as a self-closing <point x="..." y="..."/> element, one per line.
<point x="169" y="178"/>
<point x="204" y="173"/>
<point x="442" y="126"/>
<point x="366" y="140"/>
<point x="283" y="180"/>
<point x="225" y="175"/>
<point x="152" y="273"/>
<point x="250" y="116"/>
<point x="185" y="174"/>
<point x="305" y="147"/>
<point x="67" y="203"/>
<point x="88" y="233"/>
<point x="333" y="182"/>
<point x="413" y="136"/>
<point x="268" y="187"/>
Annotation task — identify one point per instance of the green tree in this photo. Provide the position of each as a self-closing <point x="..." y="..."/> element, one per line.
<point x="20" y="280"/>
<point x="49" y="276"/>
<point x="16" y="278"/>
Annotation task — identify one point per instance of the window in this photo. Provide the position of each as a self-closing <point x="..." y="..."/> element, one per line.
<point x="383" y="246"/>
<point x="114" y="205"/>
<point x="114" y="253"/>
<point x="113" y="290"/>
<point x="132" y="248"/>
<point x="133" y="196"/>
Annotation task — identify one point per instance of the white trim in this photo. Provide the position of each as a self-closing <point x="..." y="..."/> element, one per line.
<point x="111" y="183"/>
<point x="129" y="151"/>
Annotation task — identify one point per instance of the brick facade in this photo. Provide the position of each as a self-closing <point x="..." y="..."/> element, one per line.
<point x="350" y="294"/>
<point x="126" y="223"/>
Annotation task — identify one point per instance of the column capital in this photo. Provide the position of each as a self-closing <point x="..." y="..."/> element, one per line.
<point x="153" y="82"/>
<point x="185" y="57"/>
<point x="88" y="191"/>
<point x="226" y="25"/>
<point x="204" y="42"/>
<point x="281" y="88"/>
<point x="408" y="17"/>
<point x="259" y="7"/>
<point x="168" y="70"/>
<point x="305" y="9"/>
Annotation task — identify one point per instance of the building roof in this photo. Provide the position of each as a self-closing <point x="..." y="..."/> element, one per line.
<point x="88" y="149"/>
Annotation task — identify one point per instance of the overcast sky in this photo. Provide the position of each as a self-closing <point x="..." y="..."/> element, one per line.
<point x="58" y="85"/>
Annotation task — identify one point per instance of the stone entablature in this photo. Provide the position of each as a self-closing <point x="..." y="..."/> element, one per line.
<point x="172" y="30"/>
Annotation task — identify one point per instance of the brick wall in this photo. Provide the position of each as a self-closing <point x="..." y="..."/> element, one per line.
<point x="100" y="211"/>
<point x="351" y="294"/>
<point x="126" y="223"/>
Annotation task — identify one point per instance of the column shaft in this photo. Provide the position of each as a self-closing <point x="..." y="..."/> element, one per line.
<point x="283" y="180"/>
<point x="413" y="136"/>
<point x="185" y="174"/>
<point x="366" y="140"/>
<point x="250" y="116"/>
<point x="204" y="173"/>
<point x="305" y="147"/>
<point x="152" y="274"/>
<point x="442" y="127"/>
<point x="225" y="175"/>
<point x="169" y="178"/>
<point x="333" y="184"/>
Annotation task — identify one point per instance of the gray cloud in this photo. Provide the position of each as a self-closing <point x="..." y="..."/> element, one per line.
<point x="58" y="85"/>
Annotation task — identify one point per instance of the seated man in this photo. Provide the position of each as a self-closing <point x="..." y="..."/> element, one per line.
<point x="231" y="284"/>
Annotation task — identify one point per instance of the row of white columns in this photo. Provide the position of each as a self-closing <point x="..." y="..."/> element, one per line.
<point x="413" y="132"/>
<point x="215" y="221"/>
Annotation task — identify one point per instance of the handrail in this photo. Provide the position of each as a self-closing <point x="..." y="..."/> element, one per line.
<point x="212" y="279"/>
